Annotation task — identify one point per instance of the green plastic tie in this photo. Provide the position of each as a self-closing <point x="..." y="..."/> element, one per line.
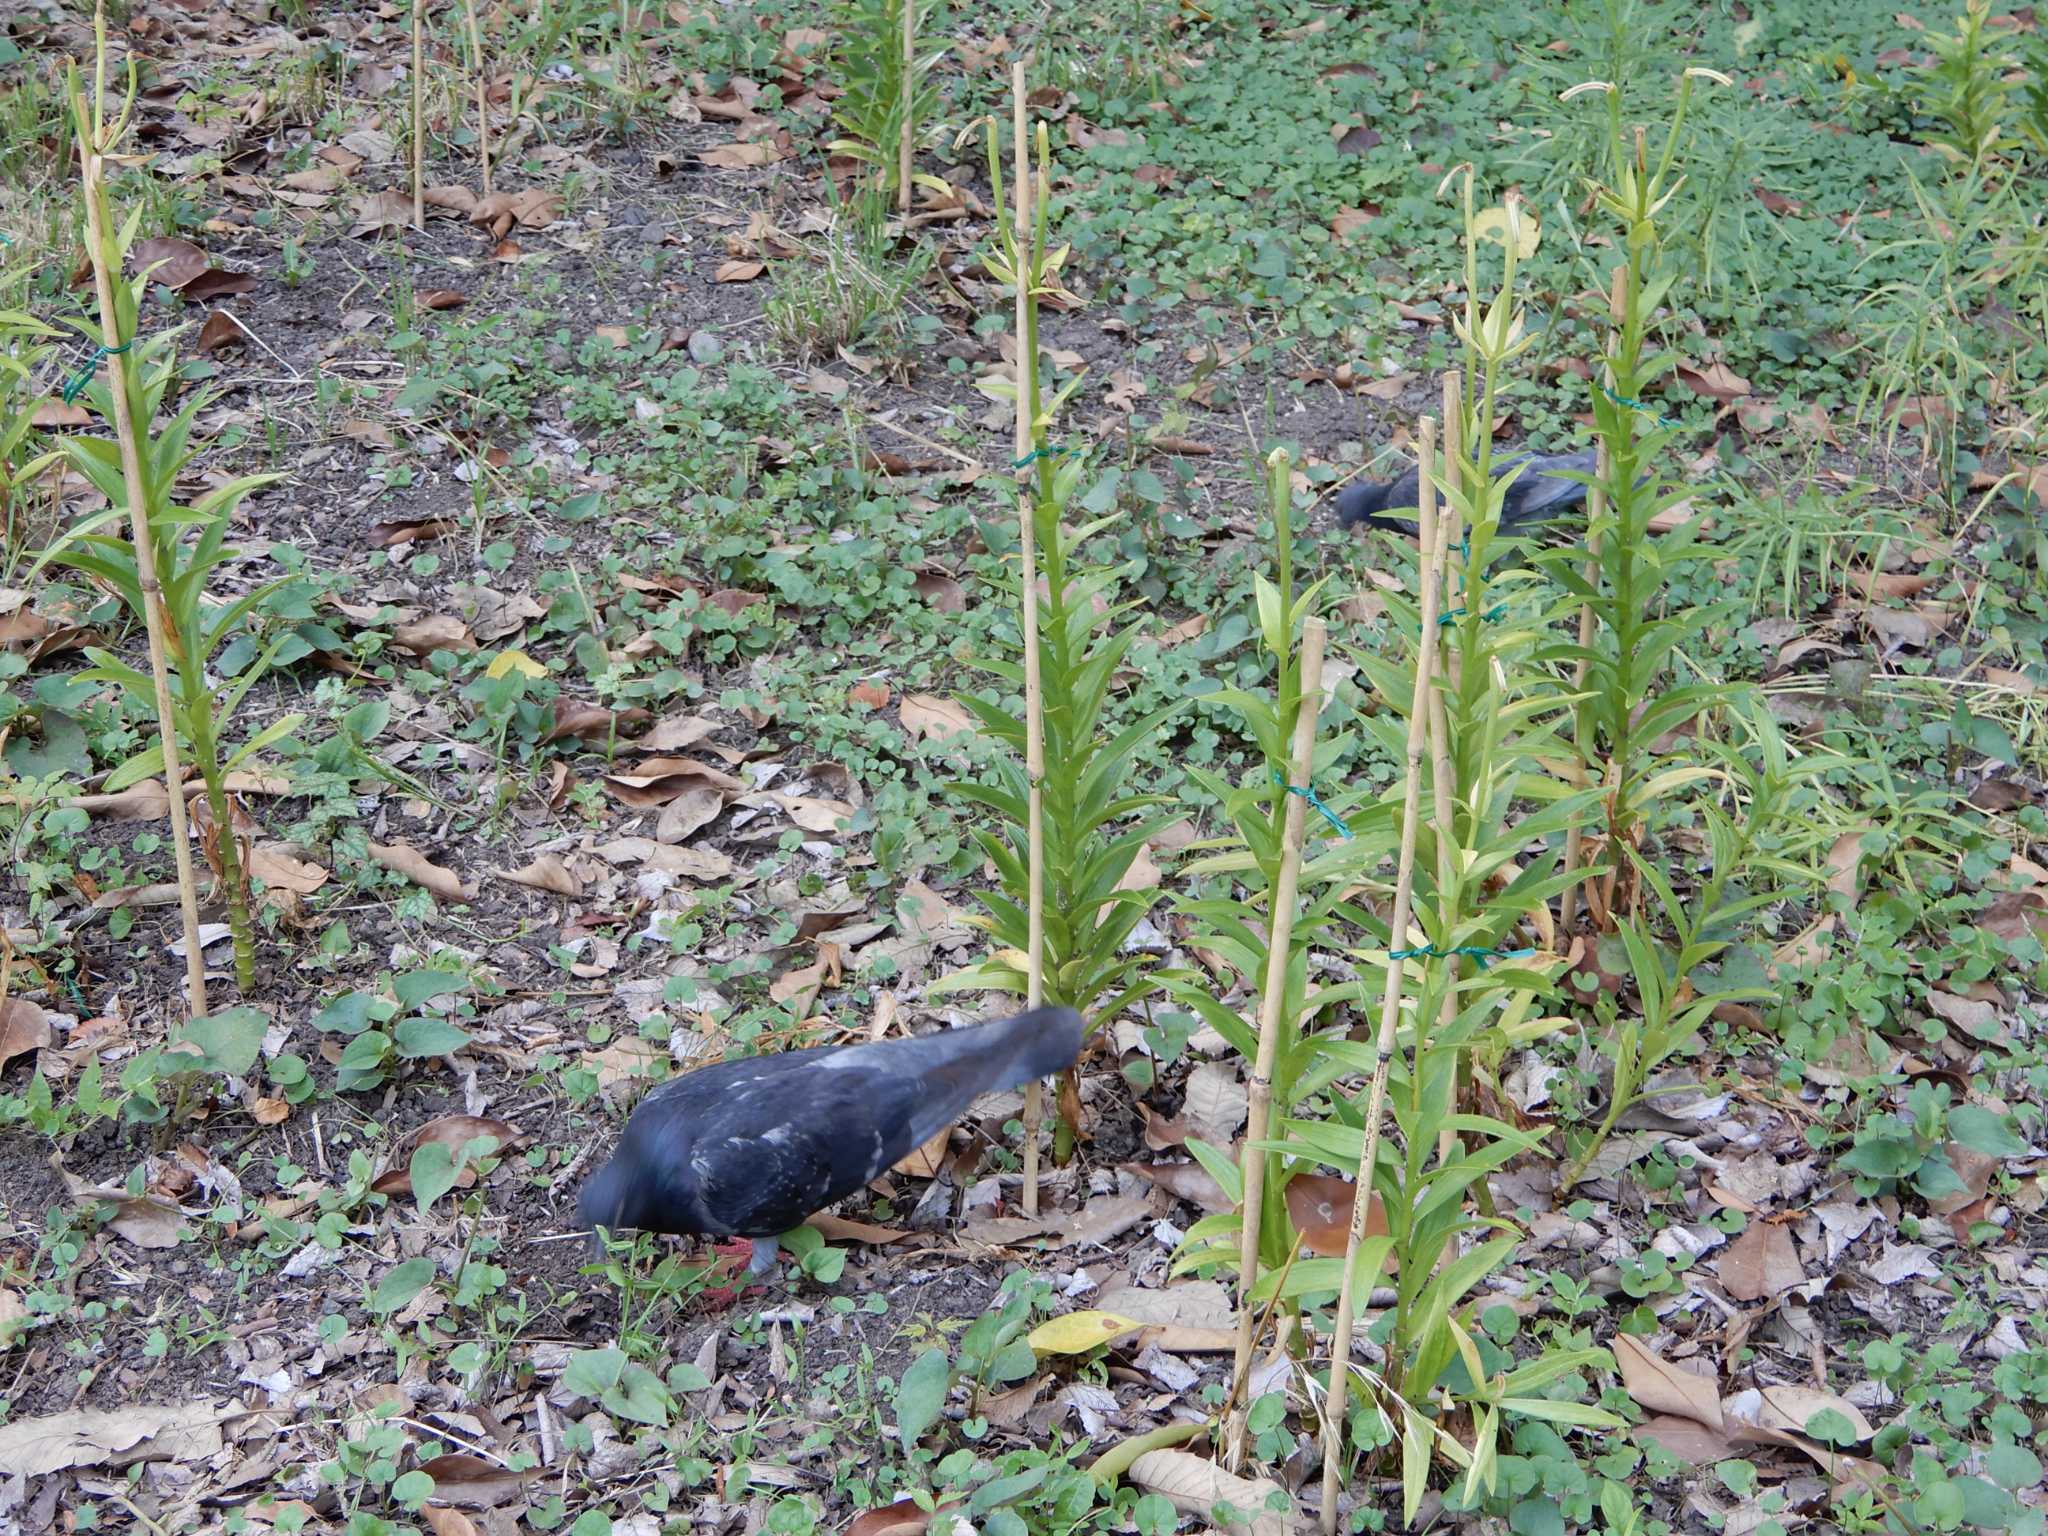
<point x="1308" y="793"/>
<point x="81" y="380"/>
<point x="1049" y="452"/>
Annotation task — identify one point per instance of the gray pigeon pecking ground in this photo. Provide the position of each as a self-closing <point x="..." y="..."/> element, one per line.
<point x="1542" y="492"/>
<point x="749" y="1148"/>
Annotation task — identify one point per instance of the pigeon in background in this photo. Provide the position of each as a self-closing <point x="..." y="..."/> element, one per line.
<point x="749" y="1148"/>
<point x="1541" y="493"/>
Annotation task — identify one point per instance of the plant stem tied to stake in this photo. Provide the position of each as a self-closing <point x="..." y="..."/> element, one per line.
<point x="94" y="142"/>
<point x="1431" y="564"/>
<point x="1034" y="697"/>
<point x="1286" y="892"/>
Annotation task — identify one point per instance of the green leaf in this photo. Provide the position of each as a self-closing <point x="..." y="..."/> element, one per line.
<point x="423" y="1036"/>
<point x="921" y="1395"/>
<point x="433" y="1173"/>
<point x="400" y="1285"/>
<point x="1982" y="1131"/>
<point x="227" y="1042"/>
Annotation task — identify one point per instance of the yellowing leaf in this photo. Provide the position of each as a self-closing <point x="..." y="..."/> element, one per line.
<point x="514" y="661"/>
<point x="1078" y="1332"/>
<point x="1492" y="224"/>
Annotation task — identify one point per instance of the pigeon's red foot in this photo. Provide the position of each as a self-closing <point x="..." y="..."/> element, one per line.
<point x="733" y="1256"/>
<point x="723" y="1298"/>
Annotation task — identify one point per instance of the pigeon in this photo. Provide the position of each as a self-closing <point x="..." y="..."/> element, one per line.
<point x="749" y="1148"/>
<point x="1541" y="493"/>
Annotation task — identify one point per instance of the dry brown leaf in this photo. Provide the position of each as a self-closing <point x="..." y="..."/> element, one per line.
<point x="658" y="780"/>
<point x="174" y="263"/>
<point x="927" y="717"/>
<point x="184" y="1433"/>
<point x="281" y="869"/>
<point x="743" y="155"/>
<point x="689" y="813"/>
<point x="1217" y="1102"/>
<point x="220" y="331"/>
<point x="436" y="632"/>
<point x="24" y="1027"/>
<point x="1716" y="381"/>
<point x="927" y="1160"/>
<point x="442" y="298"/>
<point x="677" y="733"/>
<point x="416" y="867"/>
<point x="868" y="695"/>
<point x="443" y="1521"/>
<point x="461" y="1478"/>
<point x="453" y="1132"/>
<point x="1761" y="1262"/>
<point x="1195" y="1486"/>
<point x="381" y="211"/>
<point x="1658" y="1386"/>
<point x="547" y="873"/>
<point x="825" y="817"/>
<point x="1320" y="1204"/>
<point x="738" y="271"/>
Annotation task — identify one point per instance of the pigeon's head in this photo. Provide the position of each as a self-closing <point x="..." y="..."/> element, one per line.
<point x="610" y="1200"/>
<point x="1363" y="500"/>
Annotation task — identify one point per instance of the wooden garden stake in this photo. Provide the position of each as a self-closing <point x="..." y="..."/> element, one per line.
<point x="483" y="105"/>
<point x="1390" y="1012"/>
<point x="419" y="114"/>
<point x="1034" y="695"/>
<point x="94" y="143"/>
<point x="1273" y="995"/>
<point x="1596" y="508"/>
<point x="909" y="112"/>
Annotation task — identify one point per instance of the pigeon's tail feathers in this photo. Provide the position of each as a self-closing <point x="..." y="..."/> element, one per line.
<point x="1048" y="1042"/>
<point x="1365" y="503"/>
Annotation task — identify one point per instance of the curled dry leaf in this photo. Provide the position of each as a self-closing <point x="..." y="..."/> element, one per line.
<point x="657" y="780"/>
<point x="442" y="298"/>
<point x="738" y="271"/>
<point x="419" y="869"/>
<point x="174" y="263"/>
<point x="547" y="873"/>
<point x="280" y="869"/>
<point x="460" y="1478"/>
<point x="382" y="211"/>
<point x="592" y="722"/>
<point x="1761" y="1262"/>
<point x="808" y="812"/>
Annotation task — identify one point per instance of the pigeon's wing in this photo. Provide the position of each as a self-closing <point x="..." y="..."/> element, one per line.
<point x="790" y="1142"/>
<point x="1546" y="486"/>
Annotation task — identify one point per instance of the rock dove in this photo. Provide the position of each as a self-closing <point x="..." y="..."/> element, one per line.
<point x="1540" y="493"/>
<point x="749" y="1148"/>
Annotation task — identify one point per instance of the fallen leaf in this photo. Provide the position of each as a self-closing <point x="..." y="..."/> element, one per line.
<point x="547" y="873"/>
<point x="436" y="632"/>
<point x="808" y="812"/>
<point x="382" y="211"/>
<point x="1761" y="1262"/>
<point x="1217" y="1103"/>
<point x="738" y="271"/>
<point x="174" y="263"/>
<point x="1716" y="381"/>
<point x="927" y="717"/>
<point x="658" y="780"/>
<point x="1076" y="1333"/>
<point x="1196" y="1486"/>
<point x="24" y="1027"/>
<point x="416" y="867"/>
<point x="742" y="156"/>
<point x="441" y="298"/>
<point x="185" y="1433"/>
<point x="281" y="869"/>
<point x="1320" y="1206"/>
<point x="927" y="1160"/>
<point x="220" y="331"/>
<point x="1658" y="1386"/>
<point x="453" y="1132"/>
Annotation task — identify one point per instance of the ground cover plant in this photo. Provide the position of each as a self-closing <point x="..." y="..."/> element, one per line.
<point x="640" y="585"/>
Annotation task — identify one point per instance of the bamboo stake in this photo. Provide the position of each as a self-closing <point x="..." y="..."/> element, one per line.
<point x="1034" y="697"/>
<point x="419" y="115"/>
<point x="1273" y="996"/>
<point x="1596" y="508"/>
<point x="483" y="106"/>
<point x="1390" y="1012"/>
<point x="909" y="110"/>
<point x="1450" y="531"/>
<point x="93" y="146"/>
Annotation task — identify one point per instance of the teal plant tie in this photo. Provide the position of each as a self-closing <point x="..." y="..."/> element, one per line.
<point x="78" y="382"/>
<point x="1479" y="952"/>
<point x="1046" y="452"/>
<point x="1490" y="616"/>
<point x="1637" y="405"/>
<point x="1308" y="793"/>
